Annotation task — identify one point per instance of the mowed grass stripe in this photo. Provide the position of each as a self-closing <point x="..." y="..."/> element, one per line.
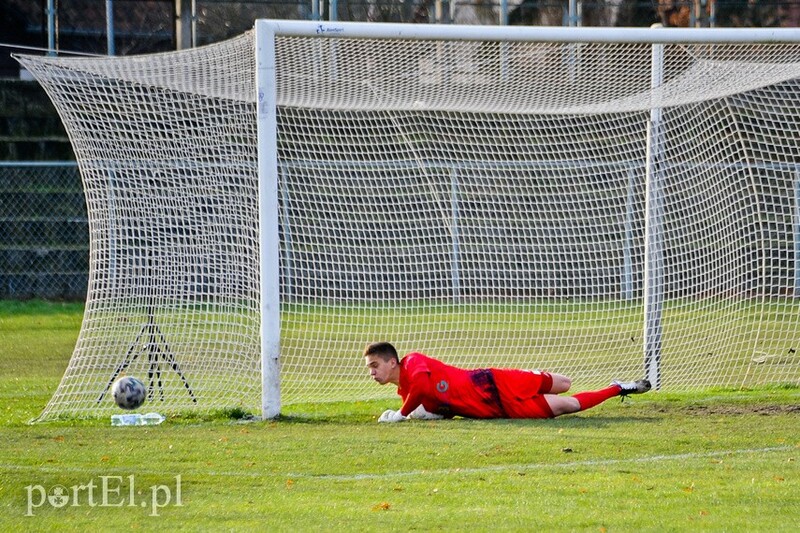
<point x="417" y="473"/>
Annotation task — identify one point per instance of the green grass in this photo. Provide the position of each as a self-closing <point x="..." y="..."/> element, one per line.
<point x="721" y="460"/>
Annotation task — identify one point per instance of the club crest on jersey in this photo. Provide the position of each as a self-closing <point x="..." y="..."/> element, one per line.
<point x="442" y="386"/>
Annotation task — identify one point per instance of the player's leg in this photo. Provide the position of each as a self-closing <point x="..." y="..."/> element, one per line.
<point x="548" y="382"/>
<point x="562" y="405"/>
<point x="559" y="384"/>
<point x="525" y="393"/>
<point x="589" y="399"/>
<point x="533" y="394"/>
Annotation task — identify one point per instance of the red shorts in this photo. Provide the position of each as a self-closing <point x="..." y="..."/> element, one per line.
<point x="522" y="392"/>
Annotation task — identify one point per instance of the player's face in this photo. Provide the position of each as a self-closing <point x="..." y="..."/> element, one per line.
<point x="380" y="370"/>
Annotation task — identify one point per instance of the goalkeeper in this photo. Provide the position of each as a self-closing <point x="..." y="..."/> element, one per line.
<point x="431" y="389"/>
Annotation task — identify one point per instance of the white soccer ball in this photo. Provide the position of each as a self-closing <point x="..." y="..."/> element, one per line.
<point x="129" y="392"/>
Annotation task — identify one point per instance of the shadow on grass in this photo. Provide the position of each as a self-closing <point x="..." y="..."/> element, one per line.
<point x="574" y="421"/>
<point x="570" y="421"/>
<point x="767" y="401"/>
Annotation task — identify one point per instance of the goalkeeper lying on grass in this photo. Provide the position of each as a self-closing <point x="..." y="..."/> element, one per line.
<point x="431" y="389"/>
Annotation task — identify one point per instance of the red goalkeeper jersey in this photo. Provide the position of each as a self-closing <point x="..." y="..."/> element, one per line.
<point x="479" y="393"/>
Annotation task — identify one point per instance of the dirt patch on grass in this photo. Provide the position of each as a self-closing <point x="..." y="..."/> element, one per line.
<point x="733" y="409"/>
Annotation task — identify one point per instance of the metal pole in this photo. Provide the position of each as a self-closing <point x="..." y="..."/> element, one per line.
<point x="442" y="12"/>
<point x="51" y="27"/>
<point x="194" y="23"/>
<point x="572" y="14"/>
<point x="654" y="232"/>
<point x="183" y="24"/>
<point x="110" y="26"/>
<point x="712" y="14"/>
<point x="551" y="34"/>
<point x="796" y="232"/>
<point x="455" y="267"/>
<point x="269" y="243"/>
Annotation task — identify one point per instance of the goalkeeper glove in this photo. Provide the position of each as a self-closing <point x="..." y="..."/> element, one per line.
<point x="391" y="416"/>
<point x="421" y="414"/>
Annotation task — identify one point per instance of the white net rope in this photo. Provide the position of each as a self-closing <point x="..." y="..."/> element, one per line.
<point x="482" y="202"/>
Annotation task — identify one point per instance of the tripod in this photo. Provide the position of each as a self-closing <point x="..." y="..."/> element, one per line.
<point x="156" y="352"/>
<point x="150" y="339"/>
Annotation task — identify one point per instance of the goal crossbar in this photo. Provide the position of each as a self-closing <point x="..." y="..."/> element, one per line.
<point x="553" y="34"/>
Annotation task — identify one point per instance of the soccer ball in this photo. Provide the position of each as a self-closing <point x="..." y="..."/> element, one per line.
<point x="129" y="393"/>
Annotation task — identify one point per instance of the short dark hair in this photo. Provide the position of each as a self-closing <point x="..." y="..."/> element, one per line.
<point x="384" y="350"/>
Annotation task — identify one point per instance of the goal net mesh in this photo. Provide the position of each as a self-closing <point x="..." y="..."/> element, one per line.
<point x="481" y="202"/>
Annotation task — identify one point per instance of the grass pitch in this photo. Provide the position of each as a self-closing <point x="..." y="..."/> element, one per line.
<point x="717" y="461"/>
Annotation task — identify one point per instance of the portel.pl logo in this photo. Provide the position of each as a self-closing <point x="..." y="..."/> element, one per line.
<point x="105" y="491"/>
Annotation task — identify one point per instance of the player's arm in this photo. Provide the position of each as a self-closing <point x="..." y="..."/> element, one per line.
<point x="412" y="400"/>
<point x="420" y="384"/>
<point x="420" y="413"/>
<point x="391" y="415"/>
<point x="412" y="408"/>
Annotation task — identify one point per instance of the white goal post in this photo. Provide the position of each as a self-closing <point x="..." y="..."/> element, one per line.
<point x="600" y="202"/>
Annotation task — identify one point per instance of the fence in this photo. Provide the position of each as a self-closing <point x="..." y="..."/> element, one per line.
<point x="142" y="26"/>
<point x="44" y="236"/>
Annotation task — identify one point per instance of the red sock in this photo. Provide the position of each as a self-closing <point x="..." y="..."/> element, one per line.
<point x="589" y="399"/>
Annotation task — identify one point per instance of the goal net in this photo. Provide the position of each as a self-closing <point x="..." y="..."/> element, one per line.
<point x="598" y="203"/>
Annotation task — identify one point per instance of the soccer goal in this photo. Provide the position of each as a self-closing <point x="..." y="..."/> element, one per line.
<point x="602" y="203"/>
